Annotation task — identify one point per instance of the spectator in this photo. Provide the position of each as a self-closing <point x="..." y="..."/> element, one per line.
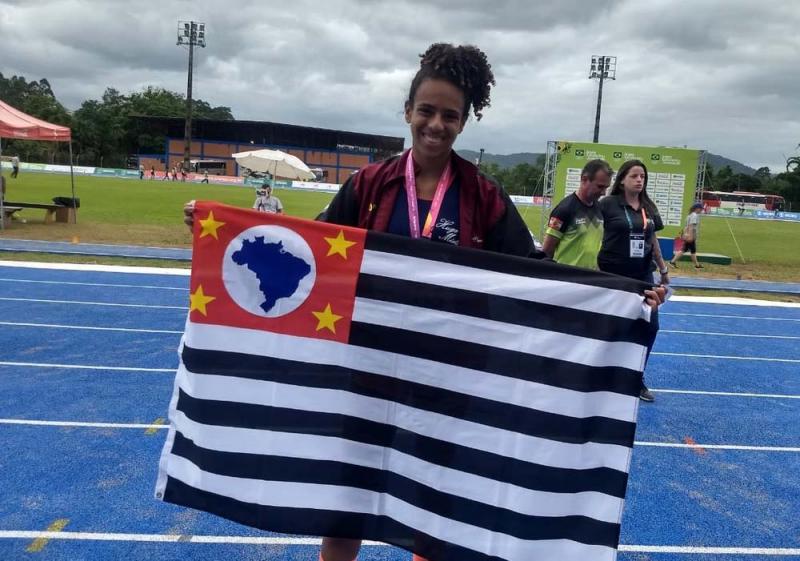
<point x="265" y="202"/>
<point x="689" y="237"/>
<point x="14" y="166"/>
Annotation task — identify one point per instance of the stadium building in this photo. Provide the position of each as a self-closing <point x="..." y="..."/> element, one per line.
<point x="332" y="154"/>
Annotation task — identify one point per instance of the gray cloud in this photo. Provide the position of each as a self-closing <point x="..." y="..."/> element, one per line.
<point x="714" y="74"/>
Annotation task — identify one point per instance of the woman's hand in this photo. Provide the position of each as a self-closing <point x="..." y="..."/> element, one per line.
<point x="188" y="214"/>
<point x="655" y="297"/>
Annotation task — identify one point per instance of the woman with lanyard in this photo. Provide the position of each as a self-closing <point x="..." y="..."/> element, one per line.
<point x="429" y="191"/>
<point x="630" y="247"/>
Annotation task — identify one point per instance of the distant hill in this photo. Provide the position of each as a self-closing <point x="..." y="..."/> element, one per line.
<point x="717" y="162"/>
<point x="511" y="160"/>
<point x="502" y="160"/>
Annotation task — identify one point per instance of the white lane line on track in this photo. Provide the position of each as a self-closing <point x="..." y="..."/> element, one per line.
<point x="741" y="447"/>
<point x="738" y="301"/>
<point x="96" y="303"/>
<point x="766" y="359"/>
<point x="158" y="271"/>
<point x="730" y="394"/>
<point x="726" y="316"/>
<point x="698" y="550"/>
<point x="264" y="540"/>
<point x="79" y="424"/>
<point x="109" y="285"/>
<point x="713" y="334"/>
<point x="169" y="538"/>
<point x="85" y="367"/>
<point x="90" y="328"/>
<point x="172" y="371"/>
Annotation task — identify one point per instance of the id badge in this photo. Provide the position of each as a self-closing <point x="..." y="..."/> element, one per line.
<point x="637" y="245"/>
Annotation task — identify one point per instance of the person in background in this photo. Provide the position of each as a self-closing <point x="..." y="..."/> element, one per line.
<point x="689" y="236"/>
<point x="152" y="172"/>
<point x="174" y="173"/>
<point x="630" y="247"/>
<point x="141" y="172"/>
<point x="575" y="229"/>
<point x="265" y="202"/>
<point x="205" y="176"/>
<point x="14" y="166"/>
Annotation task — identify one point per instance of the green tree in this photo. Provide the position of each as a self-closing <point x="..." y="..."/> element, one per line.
<point x="38" y="100"/>
<point x="787" y="185"/>
<point x="109" y="129"/>
<point x="763" y="175"/>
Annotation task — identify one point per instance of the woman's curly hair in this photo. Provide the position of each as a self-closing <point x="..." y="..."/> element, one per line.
<point x="464" y="66"/>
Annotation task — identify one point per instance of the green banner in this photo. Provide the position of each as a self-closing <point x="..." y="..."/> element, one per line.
<point x="277" y="184"/>
<point x="672" y="173"/>
<point x="115" y="172"/>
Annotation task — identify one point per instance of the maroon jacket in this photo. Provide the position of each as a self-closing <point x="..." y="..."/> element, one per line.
<point x="487" y="217"/>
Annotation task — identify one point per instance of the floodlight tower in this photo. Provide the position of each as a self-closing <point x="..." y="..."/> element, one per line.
<point x="603" y="68"/>
<point x="193" y="34"/>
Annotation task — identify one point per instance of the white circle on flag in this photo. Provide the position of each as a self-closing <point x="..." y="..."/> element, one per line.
<point x="268" y="270"/>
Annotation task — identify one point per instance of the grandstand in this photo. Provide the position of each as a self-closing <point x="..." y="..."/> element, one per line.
<point x="336" y="153"/>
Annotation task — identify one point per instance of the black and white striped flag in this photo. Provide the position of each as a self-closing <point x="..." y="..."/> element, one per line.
<point x="461" y="404"/>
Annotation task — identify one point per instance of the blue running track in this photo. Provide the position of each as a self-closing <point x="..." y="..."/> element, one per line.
<point x="86" y="374"/>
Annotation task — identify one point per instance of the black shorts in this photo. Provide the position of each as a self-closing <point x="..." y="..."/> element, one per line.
<point x="689" y="247"/>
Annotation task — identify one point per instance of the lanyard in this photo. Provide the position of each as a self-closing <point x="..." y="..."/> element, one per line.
<point x="436" y="204"/>
<point x="630" y="222"/>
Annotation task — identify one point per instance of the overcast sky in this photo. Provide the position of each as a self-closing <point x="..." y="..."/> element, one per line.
<point x="722" y="75"/>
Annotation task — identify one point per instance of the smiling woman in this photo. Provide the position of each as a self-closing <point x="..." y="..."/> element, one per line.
<point x="429" y="191"/>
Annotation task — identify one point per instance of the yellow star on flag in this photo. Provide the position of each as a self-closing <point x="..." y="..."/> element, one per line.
<point x="327" y="319"/>
<point x="210" y="226"/>
<point x="198" y="301"/>
<point x="339" y="245"/>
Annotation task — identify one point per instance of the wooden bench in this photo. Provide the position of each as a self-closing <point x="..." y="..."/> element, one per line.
<point x="53" y="213"/>
<point x="8" y="213"/>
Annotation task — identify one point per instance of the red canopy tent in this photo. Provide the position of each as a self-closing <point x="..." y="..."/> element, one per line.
<point x="16" y="124"/>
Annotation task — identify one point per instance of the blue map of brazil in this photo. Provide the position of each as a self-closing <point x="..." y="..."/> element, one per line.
<point x="279" y="272"/>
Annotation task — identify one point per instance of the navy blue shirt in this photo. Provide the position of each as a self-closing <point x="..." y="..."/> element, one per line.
<point x="447" y="224"/>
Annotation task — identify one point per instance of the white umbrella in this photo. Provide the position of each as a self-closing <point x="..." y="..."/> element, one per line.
<point x="275" y="162"/>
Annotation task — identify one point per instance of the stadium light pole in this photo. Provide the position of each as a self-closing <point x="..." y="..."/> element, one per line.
<point x="602" y="68"/>
<point x="193" y="34"/>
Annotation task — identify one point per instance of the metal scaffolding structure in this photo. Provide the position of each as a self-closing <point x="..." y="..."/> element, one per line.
<point x="549" y="183"/>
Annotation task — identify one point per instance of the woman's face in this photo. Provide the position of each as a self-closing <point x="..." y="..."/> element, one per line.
<point x="436" y="117"/>
<point x="633" y="182"/>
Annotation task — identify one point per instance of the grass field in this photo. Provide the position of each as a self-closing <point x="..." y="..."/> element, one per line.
<point x="126" y="211"/>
